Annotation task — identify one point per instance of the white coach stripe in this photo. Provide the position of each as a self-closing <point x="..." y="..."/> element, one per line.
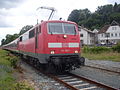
<point x="73" y="44"/>
<point x="55" y="45"/>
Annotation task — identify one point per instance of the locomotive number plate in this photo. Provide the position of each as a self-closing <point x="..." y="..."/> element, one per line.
<point x="65" y="45"/>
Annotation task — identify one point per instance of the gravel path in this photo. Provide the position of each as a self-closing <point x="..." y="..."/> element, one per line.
<point x="38" y="80"/>
<point x="109" y="78"/>
<point x="110" y="65"/>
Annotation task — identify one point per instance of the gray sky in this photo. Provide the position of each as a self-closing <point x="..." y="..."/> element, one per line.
<point x="14" y="14"/>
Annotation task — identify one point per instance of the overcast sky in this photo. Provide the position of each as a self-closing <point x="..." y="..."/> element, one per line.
<point x="14" y="14"/>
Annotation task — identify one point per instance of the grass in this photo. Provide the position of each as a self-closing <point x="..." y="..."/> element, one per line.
<point x="112" y="56"/>
<point x="7" y="81"/>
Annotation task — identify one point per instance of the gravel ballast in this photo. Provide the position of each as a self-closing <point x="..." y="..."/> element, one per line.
<point x="38" y="80"/>
<point x="109" y="78"/>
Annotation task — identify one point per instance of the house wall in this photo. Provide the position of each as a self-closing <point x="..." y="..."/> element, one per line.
<point x="84" y="37"/>
<point x="113" y="35"/>
<point x="88" y="38"/>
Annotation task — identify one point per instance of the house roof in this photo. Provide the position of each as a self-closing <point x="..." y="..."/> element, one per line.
<point x="104" y="29"/>
<point x="114" y="23"/>
<point x="80" y="27"/>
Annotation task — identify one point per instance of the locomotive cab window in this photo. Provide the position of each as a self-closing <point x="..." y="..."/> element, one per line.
<point x="61" y="28"/>
<point x="69" y="29"/>
<point x="55" y="28"/>
<point x="31" y="33"/>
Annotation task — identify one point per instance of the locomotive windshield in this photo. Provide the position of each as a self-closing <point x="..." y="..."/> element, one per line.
<point x="61" y="28"/>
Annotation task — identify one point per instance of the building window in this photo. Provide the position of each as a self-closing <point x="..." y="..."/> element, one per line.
<point x="101" y="35"/>
<point x="116" y="34"/>
<point x="114" y="28"/>
<point x="31" y="33"/>
<point x="82" y="41"/>
<point x="91" y="41"/>
<point x="91" y="35"/>
<point x="81" y="35"/>
<point x="111" y="34"/>
<point x="107" y="34"/>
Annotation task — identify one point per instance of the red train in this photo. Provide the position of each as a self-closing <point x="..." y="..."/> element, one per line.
<point x="52" y="44"/>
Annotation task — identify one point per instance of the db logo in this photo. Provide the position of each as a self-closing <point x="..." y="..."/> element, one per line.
<point x="64" y="44"/>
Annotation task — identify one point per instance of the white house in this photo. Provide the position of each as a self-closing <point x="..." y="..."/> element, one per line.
<point x="109" y="34"/>
<point x="87" y="37"/>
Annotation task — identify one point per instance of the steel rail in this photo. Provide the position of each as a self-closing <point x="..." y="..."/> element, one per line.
<point x="102" y="69"/>
<point x="94" y="82"/>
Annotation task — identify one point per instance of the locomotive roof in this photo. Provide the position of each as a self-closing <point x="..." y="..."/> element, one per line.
<point x="58" y="21"/>
<point x="40" y="24"/>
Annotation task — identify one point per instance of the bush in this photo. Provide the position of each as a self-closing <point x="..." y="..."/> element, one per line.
<point x="116" y="48"/>
<point x="96" y="50"/>
<point x="23" y="85"/>
<point x="13" y="60"/>
<point x="86" y="49"/>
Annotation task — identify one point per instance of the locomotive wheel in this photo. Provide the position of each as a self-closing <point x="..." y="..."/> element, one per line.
<point x="50" y="68"/>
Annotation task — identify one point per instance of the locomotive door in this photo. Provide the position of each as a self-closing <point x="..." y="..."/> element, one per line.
<point x="36" y="39"/>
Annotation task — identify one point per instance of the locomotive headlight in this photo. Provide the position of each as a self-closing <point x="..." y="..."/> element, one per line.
<point x="52" y="52"/>
<point x="76" y="51"/>
<point x="65" y="36"/>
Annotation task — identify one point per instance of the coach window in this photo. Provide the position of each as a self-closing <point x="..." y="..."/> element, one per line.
<point x="31" y="33"/>
<point x="21" y="39"/>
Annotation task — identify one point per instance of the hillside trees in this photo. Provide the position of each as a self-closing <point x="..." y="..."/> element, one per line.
<point x="74" y="16"/>
<point x="103" y="15"/>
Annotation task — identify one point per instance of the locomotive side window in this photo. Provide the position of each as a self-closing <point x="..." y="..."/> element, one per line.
<point x="55" y="28"/>
<point x="31" y="33"/>
<point x="21" y="39"/>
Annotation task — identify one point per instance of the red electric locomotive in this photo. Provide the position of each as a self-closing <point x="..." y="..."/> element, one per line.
<point x="54" y="45"/>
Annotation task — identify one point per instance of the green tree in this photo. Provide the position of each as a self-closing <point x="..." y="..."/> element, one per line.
<point x="9" y="38"/>
<point x="115" y="16"/>
<point x="25" y="28"/>
<point x="84" y="14"/>
<point x="74" y="16"/>
<point x="103" y="15"/>
<point x="2" y="41"/>
<point x="115" y="8"/>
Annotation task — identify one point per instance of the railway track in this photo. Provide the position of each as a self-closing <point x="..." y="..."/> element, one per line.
<point x="75" y="82"/>
<point x="102" y="69"/>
